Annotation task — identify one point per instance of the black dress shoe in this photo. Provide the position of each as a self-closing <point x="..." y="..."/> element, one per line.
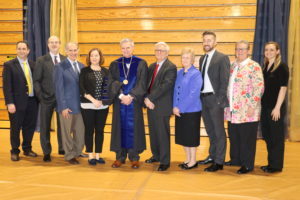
<point x="151" y="160"/>
<point x="163" y="167"/>
<point x="100" y="161"/>
<point x="47" y="158"/>
<point x="181" y="165"/>
<point x="14" y="157"/>
<point x="230" y="163"/>
<point x="214" y="167"/>
<point x="61" y="152"/>
<point x="73" y="161"/>
<point x="191" y="167"/>
<point x="30" y="153"/>
<point x="244" y="170"/>
<point x="206" y="161"/>
<point x="272" y="170"/>
<point x="264" y="167"/>
<point x="92" y="161"/>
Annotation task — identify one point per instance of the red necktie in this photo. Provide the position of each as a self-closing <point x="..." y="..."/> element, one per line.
<point x="153" y="77"/>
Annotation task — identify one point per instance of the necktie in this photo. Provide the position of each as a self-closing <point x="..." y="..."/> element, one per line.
<point x="203" y="69"/>
<point x="27" y="76"/>
<point x="153" y="77"/>
<point x="75" y="68"/>
<point x="55" y="60"/>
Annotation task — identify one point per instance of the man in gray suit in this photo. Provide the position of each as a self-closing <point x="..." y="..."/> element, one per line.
<point x="215" y="68"/>
<point x="159" y="102"/>
<point x="66" y="81"/>
<point x="44" y="89"/>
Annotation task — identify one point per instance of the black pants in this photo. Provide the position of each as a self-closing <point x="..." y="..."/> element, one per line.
<point x="243" y="143"/>
<point x="273" y="134"/>
<point x="25" y="120"/>
<point x="46" y="113"/>
<point x="122" y="154"/>
<point x="94" y="123"/>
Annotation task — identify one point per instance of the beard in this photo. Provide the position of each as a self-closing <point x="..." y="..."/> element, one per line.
<point x="208" y="48"/>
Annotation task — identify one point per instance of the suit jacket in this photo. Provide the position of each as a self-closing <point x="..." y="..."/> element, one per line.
<point x="218" y="73"/>
<point x="43" y="78"/>
<point x="66" y="83"/>
<point x="163" y="87"/>
<point x="248" y="88"/>
<point x="15" y="86"/>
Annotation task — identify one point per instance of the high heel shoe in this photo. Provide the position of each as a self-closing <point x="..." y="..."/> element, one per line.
<point x="191" y="167"/>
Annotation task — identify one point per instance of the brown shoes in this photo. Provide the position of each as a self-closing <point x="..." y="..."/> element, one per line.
<point x="14" y="157"/>
<point x="117" y="164"/>
<point x="73" y="161"/>
<point x="135" y="164"/>
<point x="30" y="153"/>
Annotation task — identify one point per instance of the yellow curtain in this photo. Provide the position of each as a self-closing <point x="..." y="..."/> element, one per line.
<point x="63" y="21"/>
<point x="294" y="64"/>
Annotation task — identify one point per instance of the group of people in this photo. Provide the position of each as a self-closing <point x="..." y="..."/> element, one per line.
<point x="243" y="93"/>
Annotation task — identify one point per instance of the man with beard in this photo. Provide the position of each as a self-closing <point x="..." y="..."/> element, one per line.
<point x="214" y="67"/>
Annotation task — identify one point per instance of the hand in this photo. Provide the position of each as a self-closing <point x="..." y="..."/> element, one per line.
<point x="149" y="104"/>
<point x="126" y="100"/>
<point x="97" y="103"/>
<point x="176" y="111"/>
<point x="65" y="113"/>
<point x="275" y="114"/>
<point x="250" y="112"/>
<point x="11" y="108"/>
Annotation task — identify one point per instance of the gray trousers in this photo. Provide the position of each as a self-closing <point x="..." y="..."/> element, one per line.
<point x="72" y="132"/>
<point x="213" y="117"/>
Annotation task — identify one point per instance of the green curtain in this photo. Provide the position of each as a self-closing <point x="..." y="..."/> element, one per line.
<point x="294" y="64"/>
<point x="63" y="21"/>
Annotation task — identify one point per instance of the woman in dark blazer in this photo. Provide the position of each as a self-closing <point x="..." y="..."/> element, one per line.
<point x="187" y="108"/>
<point x="276" y="76"/>
<point x="93" y="82"/>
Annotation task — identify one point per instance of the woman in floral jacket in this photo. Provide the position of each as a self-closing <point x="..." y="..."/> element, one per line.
<point x="245" y="89"/>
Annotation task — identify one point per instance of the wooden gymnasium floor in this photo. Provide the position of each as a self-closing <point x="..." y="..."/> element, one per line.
<point x="32" y="179"/>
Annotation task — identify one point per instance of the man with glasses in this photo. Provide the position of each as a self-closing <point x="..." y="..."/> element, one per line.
<point x="159" y="103"/>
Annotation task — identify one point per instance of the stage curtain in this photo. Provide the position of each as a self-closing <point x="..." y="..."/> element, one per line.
<point x="63" y="21"/>
<point x="272" y="18"/>
<point x="294" y="64"/>
<point x="37" y="25"/>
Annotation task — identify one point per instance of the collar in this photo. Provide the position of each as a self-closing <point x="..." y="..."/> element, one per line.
<point x="21" y="60"/>
<point x="72" y="61"/>
<point x="243" y="63"/>
<point x="211" y="53"/>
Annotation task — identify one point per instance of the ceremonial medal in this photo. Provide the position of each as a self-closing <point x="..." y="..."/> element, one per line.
<point x="125" y="82"/>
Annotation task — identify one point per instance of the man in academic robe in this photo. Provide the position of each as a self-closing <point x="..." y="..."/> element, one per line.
<point x="128" y="80"/>
<point x="20" y="100"/>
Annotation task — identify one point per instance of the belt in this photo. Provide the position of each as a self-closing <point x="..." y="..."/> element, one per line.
<point x="206" y="94"/>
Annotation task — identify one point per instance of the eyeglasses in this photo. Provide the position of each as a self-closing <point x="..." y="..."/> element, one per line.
<point x="160" y="50"/>
<point x="241" y="49"/>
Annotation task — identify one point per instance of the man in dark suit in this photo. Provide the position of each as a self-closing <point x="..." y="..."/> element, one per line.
<point x="215" y="68"/>
<point x="66" y="81"/>
<point x="159" y="103"/>
<point x="44" y="89"/>
<point x="20" y="100"/>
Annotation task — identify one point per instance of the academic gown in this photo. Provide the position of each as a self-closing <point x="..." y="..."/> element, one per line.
<point x="122" y="136"/>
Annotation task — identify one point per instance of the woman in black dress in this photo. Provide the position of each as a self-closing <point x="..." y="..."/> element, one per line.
<point x="93" y="82"/>
<point x="276" y="76"/>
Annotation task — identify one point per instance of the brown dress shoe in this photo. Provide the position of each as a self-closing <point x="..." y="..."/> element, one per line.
<point x="30" y="153"/>
<point x="117" y="164"/>
<point x="73" y="161"/>
<point x="15" y="157"/>
<point x="135" y="164"/>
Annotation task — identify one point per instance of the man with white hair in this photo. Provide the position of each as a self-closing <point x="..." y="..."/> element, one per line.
<point x="128" y="80"/>
<point x="159" y="102"/>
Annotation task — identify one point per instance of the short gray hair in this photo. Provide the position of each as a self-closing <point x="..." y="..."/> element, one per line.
<point x="69" y="43"/>
<point x="125" y="40"/>
<point x="188" y="50"/>
<point x="243" y="42"/>
<point x="163" y="44"/>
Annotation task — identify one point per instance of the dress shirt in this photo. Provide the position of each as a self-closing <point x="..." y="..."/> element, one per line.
<point x="57" y="57"/>
<point x="207" y="84"/>
<point x="75" y="70"/>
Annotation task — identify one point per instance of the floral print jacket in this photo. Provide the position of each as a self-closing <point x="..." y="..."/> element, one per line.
<point x="247" y="90"/>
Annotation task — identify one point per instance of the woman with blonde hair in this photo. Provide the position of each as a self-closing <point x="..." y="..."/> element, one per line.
<point x="276" y="76"/>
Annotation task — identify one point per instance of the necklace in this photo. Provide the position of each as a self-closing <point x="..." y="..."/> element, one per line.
<point x="125" y="81"/>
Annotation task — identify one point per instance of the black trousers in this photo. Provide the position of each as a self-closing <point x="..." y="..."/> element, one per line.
<point x="242" y="139"/>
<point x="94" y="123"/>
<point x="46" y="113"/>
<point x="159" y="133"/>
<point x="273" y="134"/>
<point x="25" y="120"/>
<point x="122" y="154"/>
